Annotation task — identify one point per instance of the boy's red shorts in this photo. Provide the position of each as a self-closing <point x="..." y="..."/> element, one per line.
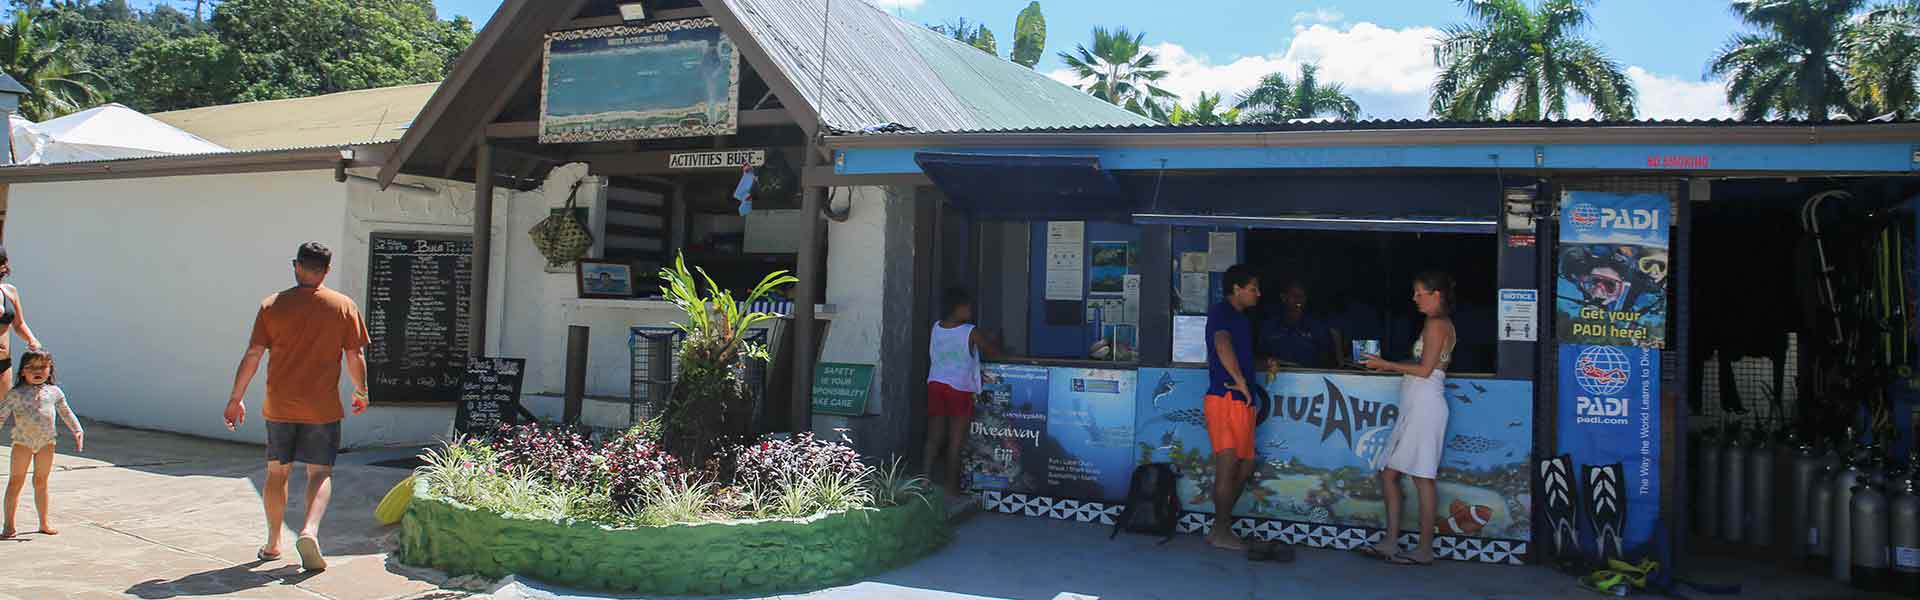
<point x="944" y="401"/>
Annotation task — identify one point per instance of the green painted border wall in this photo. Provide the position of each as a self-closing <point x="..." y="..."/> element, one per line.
<point x="706" y="558"/>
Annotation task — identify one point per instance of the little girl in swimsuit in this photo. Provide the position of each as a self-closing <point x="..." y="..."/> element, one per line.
<point x="31" y="406"/>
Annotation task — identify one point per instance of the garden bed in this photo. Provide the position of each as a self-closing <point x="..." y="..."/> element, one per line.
<point x="724" y="557"/>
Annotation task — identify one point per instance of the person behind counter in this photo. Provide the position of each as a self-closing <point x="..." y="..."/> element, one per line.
<point x="953" y="380"/>
<point x="1295" y="338"/>
<point x="1228" y="405"/>
<point x="1415" y="445"/>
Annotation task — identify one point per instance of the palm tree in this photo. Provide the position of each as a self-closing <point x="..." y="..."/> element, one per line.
<point x="1205" y="111"/>
<point x="969" y="33"/>
<point x="1277" y="100"/>
<point x="33" y="54"/>
<point x="1791" y="66"/>
<point x="1882" y="58"/>
<point x="1534" y="55"/>
<point x="1120" y="70"/>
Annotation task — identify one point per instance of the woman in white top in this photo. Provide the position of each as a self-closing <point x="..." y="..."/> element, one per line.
<point x="953" y="379"/>
<point x="1418" y="436"/>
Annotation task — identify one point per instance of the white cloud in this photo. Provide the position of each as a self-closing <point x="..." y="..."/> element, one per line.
<point x="899" y="4"/>
<point x="1321" y="15"/>
<point x="1388" y="71"/>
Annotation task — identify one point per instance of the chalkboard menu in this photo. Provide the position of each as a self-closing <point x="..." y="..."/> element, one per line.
<point x="489" y="395"/>
<point x="417" y="298"/>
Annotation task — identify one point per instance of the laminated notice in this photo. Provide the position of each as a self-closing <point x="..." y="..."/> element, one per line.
<point x="1906" y="559"/>
<point x="1813" y="536"/>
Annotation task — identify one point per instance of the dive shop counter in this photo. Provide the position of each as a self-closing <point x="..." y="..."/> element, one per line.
<point x="1061" y="439"/>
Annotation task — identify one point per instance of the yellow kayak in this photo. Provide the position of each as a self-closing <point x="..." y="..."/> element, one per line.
<point x="395" y="504"/>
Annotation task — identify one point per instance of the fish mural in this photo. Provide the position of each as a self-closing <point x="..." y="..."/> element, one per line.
<point x="1473" y="444"/>
<point x="1163" y="389"/>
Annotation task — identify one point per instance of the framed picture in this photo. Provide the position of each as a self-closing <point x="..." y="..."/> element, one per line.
<point x="604" y="279"/>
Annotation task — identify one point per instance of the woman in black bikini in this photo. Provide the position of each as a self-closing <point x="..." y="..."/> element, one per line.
<point x="11" y="318"/>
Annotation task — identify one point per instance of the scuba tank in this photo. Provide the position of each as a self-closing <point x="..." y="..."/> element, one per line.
<point x="1903" y="514"/>
<point x="1869" y="535"/>
<point x="1840" y="551"/>
<point x="1760" y="490"/>
<point x="1819" y="533"/>
<point x="1806" y="465"/>
<point x="1706" y="483"/>
<point x="1733" y="466"/>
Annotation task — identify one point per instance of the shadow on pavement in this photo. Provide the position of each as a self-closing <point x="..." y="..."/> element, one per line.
<point x="237" y="578"/>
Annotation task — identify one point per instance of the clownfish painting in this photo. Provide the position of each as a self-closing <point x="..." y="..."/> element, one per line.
<point x="1464" y="519"/>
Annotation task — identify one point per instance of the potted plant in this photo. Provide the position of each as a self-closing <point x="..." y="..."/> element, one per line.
<point x="710" y="400"/>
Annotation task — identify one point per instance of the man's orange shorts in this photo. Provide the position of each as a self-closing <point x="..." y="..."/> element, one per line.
<point x="1229" y="425"/>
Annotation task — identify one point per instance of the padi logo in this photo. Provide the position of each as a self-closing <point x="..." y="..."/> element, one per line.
<point x="1600" y="411"/>
<point x="1588" y="216"/>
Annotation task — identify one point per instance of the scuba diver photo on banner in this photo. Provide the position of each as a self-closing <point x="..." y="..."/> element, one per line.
<point x="1612" y="289"/>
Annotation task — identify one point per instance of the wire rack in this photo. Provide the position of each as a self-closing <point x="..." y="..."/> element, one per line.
<point x="655" y="366"/>
<point x="1753" y="379"/>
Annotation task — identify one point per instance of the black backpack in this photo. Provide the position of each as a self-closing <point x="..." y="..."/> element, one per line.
<point x="1153" y="503"/>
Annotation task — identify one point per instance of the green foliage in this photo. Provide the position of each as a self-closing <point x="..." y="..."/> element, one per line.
<point x="1205" y="111"/>
<point x="32" y="51"/>
<point x="1120" y="70"/>
<point x="1534" y="55"/>
<point x="710" y="397"/>
<point x="969" y="33"/>
<point x="1029" y="36"/>
<point x="1277" y="100"/>
<point x="1813" y="58"/>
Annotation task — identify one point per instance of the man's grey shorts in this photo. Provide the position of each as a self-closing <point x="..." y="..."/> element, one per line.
<point x="297" y="442"/>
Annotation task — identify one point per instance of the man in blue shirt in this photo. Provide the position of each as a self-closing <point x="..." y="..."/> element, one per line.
<point x="1228" y="404"/>
<point x="1295" y="338"/>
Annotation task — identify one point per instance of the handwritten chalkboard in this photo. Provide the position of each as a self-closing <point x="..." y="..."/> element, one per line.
<point x="417" y="298"/>
<point x="490" y="395"/>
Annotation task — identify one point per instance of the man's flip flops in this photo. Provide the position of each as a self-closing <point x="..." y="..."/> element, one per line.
<point x="310" y="558"/>
<point x="264" y="556"/>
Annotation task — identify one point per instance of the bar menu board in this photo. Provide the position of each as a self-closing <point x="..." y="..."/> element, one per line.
<point x="417" y="298"/>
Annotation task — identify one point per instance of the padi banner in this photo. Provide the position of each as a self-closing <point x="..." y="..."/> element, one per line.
<point x="1316" y="437"/>
<point x="1058" y="432"/>
<point x="1612" y="288"/>
<point x="1610" y="413"/>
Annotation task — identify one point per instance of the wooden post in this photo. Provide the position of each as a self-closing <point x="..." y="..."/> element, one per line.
<point x="482" y="250"/>
<point x="805" y="330"/>
<point x="576" y="386"/>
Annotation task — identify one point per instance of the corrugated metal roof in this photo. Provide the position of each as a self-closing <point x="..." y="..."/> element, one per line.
<point x="357" y="117"/>
<point x="884" y="70"/>
<point x="1388" y="125"/>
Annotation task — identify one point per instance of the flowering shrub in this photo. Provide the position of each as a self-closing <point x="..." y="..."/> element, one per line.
<point x="555" y="456"/>
<point x="771" y="464"/>
<point x="632" y="461"/>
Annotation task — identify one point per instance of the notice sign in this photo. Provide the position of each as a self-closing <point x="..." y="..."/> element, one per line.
<point x="490" y="395"/>
<point x="1066" y="260"/>
<point x="1519" y="315"/>
<point x="842" y="389"/>
<point x="716" y="160"/>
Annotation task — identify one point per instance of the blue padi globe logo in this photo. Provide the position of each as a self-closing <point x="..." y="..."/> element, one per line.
<point x="1584" y="215"/>
<point x="1601" y="370"/>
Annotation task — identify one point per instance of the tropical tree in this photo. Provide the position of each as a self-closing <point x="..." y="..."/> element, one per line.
<point x="1276" y="99"/>
<point x="1120" y="70"/>
<point x="1205" y="111"/>
<point x="32" y="53"/>
<point x="1882" y="58"/>
<point x="1791" y="65"/>
<point x="1029" y="36"/>
<point x="1534" y="55"/>
<point x="969" y="33"/>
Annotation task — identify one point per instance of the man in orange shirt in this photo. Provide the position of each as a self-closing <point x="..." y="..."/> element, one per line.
<point x="308" y="329"/>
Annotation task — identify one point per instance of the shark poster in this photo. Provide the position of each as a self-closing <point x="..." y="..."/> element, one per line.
<point x="1316" y="436"/>
<point x="1090" y="422"/>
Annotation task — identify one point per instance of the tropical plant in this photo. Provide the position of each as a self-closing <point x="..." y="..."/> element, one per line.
<point x="1029" y="36"/>
<point x="1790" y="65"/>
<point x="31" y="51"/>
<point x="1205" y="111"/>
<point x="1122" y="71"/>
<point x="710" y="398"/>
<point x="969" y="33"/>
<point x="1882" y="58"/>
<point x="1534" y="55"/>
<point x="1276" y="99"/>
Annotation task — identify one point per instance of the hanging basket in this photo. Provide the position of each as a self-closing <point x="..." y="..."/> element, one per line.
<point x="562" y="238"/>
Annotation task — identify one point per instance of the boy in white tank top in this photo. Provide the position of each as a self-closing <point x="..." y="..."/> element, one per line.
<point x="953" y="380"/>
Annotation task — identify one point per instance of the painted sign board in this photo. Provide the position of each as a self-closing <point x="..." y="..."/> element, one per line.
<point x="842" y="389"/>
<point x="668" y="79"/>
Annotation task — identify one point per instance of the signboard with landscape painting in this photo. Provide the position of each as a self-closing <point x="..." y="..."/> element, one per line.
<point x="669" y="79"/>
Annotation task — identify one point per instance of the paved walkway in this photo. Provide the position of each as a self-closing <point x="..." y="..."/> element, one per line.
<point x="151" y="515"/>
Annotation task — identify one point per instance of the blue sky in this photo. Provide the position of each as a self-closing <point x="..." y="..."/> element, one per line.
<point x="1379" y="49"/>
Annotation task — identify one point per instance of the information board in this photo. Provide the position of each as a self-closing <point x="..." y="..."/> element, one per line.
<point x="842" y="389"/>
<point x="489" y="395"/>
<point x="417" y="299"/>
